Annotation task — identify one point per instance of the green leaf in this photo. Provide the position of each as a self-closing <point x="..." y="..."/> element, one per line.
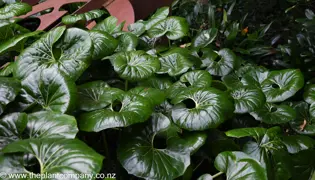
<point x="283" y="84"/>
<point x="159" y="15"/>
<point x="109" y="25"/>
<point x="297" y="143"/>
<point x="205" y="177"/>
<point x="14" y="9"/>
<point x="50" y="90"/>
<point x="125" y="109"/>
<point x="304" y="165"/>
<point x="257" y="133"/>
<point x="7" y="69"/>
<point x="66" y="50"/>
<point x="9" y="89"/>
<point x="204" y="38"/>
<point x="274" y="114"/>
<point x="232" y="80"/>
<point x="140" y="155"/>
<point x="103" y="44"/>
<point x="173" y="27"/>
<point x="247" y="99"/>
<point x="137" y="28"/>
<point x="55" y="156"/>
<point x="201" y="108"/>
<point x="95" y="95"/>
<point x="135" y="65"/>
<point x="46" y="124"/>
<point x="255" y="77"/>
<point x="157" y="83"/>
<point x="174" y="62"/>
<point x="84" y="17"/>
<point x="305" y="118"/>
<point x="238" y="165"/>
<point x="155" y="96"/>
<point x="219" y="63"/>
<point x="17" y="42"/>
<point x="309" y="94"/>
<point x="11" y="128"/>
<point x="127" y="42"/>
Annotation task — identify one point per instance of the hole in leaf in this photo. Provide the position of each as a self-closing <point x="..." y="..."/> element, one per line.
<point x="273" y="109"/>
<point x="57" y="53"/>
<point x="190" y="104"/>
<point x="239" y="78"/>
<point x="187" y="84"/>
<point x="276" y="86"/>
<point x="159" y="142"/>
<point x="117" y="105"/>
<point x="31" y="163"/>
<point x="200" y="53"/>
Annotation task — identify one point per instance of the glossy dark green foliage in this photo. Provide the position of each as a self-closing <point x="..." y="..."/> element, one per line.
<point x="198" y="93"/>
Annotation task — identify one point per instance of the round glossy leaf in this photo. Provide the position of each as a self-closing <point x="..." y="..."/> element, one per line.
<point x="109" y="25"/>
<point x="158" y="83"/>
<point x="125" y="110"/>
<point x="173" y="27"/>
<point x="232" y="80"/>
<point x="309" y="94"/>
<point x="197" y="78"/>
<point x="238" y="165"/>
<point x="103" y="44"/>
<point x="255" y="77"/>
<point x="283" y="84"/>
<point x="205" y="108"/>
<point x="135" y="65"/>
<point x="305" y="119"/>
<point x="50" y="90"/>
<point x="9" y="89"/>
<point x="63" y="156"/>
<point x="257" y="133"/>
<point x="297" y="143"/>
<point x="204" y="38"/>
<point x="220" y="63"/>
<point x="46" y="124"/>
<point x="159" y="15"/>
<point x="127" y="42"/>
<point x="139" y="156"/>
<point x="174" y="62"/>
<point x="205" y="177"/>
<point x="95" y="95"/>
<point x="247" y="99"/>
<point x="155" y="96"/>
<point x="11" y="128"/>
<point x="90" y="15"/>
<point x="14" y="10"/>
<point x="66" y="50"/>
<point x="274" y="114"/>
<point x="137" y="28"/>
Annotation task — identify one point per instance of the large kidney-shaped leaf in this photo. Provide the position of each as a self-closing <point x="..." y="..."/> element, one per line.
<point x="135" y="65"/>
<point x="173" y="27"/>
<point x="137" y="28"/>
<point x="140" y="155"/>
<point x="219" y="63"/>
<point x="55" y="156"/>
<point x="201" y="108"/>
<point x="309" y="94"/>
<point x="158" y="83"/>
<point x="50" y="90"/>
<point x="9" y="89"/>
<point x="283" y="84"/>
<point x="297" y="143"/>
<point x="238" y="165"/>
<point x="84" y="17"/>
<point x="155" y="96"/>
<point x="127" y="42"/>
<point x="11" y="128"/>
<point x="247" y="99"/>
<point x="124" y="110"/>
<point x="274" y="114"/>
<point x="204" y="38"/>
<point x="14" y="9"/>
<point x="159" y="15"/>
<point x="95" y="95"/>
<point x="175" y="62"/>
<point x="103" y="44"/>
<point x="304" y="123"/>
<point x="66" y="50"/>
<point x="109" y="25"/>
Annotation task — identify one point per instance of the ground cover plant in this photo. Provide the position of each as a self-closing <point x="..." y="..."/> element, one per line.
<point x="190" y="94"/>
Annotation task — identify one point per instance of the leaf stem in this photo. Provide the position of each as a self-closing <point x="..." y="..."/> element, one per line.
<point x="169" y="43"/>
<point x="105" y="144"/>
<point x="126" y="85"/>
<point x="217" y="175"/>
